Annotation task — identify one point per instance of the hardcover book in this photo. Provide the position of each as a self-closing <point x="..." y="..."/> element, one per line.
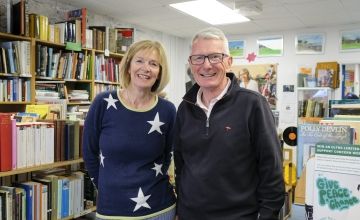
<point x="327" y="74"/>
<point x="5" y="142"/>
<point x="311" y="134"/>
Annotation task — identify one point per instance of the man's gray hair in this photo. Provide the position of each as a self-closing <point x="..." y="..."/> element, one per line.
<point x="212" y="33"/>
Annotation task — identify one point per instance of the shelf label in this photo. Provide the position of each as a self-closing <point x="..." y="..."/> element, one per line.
<point x="107" y="53"/>
<point x="73" y="46"/>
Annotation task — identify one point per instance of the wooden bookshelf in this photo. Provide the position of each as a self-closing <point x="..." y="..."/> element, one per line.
<point x="85" y="212"/>
<point x="41" y="167"/>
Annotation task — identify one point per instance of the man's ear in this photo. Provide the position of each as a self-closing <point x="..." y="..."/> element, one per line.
<point x="229" y="62"/>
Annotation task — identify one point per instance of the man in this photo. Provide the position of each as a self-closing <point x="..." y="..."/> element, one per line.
<point x="227" y="155"/>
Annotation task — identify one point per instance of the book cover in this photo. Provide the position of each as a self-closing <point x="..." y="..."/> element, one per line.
<point x="311" y="134"/>
<point x="5" y="142"/>
<point x="336" y="182"/>
<point x="355" y="124"/>
<point x="29" y="190"/>
<point x="327" y="74"/>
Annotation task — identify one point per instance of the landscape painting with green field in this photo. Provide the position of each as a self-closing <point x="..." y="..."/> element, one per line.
<point x="350" y="40"/>
<point x="270" y="46"/>
<point x="237" y="48"/>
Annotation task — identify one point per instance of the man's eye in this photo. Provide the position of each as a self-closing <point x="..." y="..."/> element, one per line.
<point x="139" y="61"/>
<point x="215" y="56"/>
<point x="198" y="58"/>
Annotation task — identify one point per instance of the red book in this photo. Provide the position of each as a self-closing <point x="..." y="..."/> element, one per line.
<point x="5" y="142"/>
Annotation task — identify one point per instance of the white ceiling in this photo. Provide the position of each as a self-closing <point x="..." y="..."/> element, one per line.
<point x="276" y="15"/>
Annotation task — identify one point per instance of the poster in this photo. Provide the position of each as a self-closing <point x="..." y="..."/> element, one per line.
<point x="337" y="182"/>
<point x="266" y="77"/>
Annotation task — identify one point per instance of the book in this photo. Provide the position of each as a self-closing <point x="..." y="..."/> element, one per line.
<point x="5" y="142"/>
<point x="327" y="74"/>
<point x="355" y="124"/>
<point x="311" y="134"/>
<point x="49" y="191"/>
<point x="348" y="82"/>
<point x="18" y="13"/>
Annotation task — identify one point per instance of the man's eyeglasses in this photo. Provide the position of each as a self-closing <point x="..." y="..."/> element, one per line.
<point x="213" y="58"/>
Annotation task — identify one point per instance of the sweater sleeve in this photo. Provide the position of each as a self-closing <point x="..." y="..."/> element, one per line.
<point x="169" y="138"/>
<point x="271" y="189"/>
<point x="91" y="134"/>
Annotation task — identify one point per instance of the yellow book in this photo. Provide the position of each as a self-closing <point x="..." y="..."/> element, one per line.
<point x="56" y="34"/>
<point x="42" y="110"/>
<point x="43" y="23"/>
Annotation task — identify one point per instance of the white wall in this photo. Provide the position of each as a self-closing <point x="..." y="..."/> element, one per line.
<point x="178" y="50"/>
<point x="289" y="62"/>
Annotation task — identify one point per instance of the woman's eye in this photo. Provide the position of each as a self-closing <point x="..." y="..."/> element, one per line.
<point x="154" y="64"/>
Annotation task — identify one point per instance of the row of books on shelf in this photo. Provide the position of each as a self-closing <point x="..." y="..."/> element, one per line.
<point x="58" y="64"/>
<point x="28" y="144"/>
<point x="15" y="57"/>
<point x="326" y="75"/>
<point x="106" y="69"/>
<point x="15" y="90"/>
<point x="62" y="65"/>
<point x="311" y="108"/>
<point x="104" y="87"/>
<point x="17" y="19"/>
<point x="48" y="196"/>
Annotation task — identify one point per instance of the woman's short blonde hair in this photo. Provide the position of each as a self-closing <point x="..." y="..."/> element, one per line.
<point x="145" y="45"/>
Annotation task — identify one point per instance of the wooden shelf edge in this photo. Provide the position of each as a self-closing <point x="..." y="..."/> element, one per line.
<point x="85" y="212"/>
<point x="41" y="167"/>
<point x="13" y="36"/>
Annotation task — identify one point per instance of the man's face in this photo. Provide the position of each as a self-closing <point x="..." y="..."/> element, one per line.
<point x="210" y="76"/>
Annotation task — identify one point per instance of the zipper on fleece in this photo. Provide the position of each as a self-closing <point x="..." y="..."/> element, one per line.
<point x="207" y="126"/>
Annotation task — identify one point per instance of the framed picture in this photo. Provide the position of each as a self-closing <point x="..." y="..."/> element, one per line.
<point x="350" y="40"/>
<point x="270" y="46"/>
<point x="310" y="43"/>
<point x="237" y="48"/>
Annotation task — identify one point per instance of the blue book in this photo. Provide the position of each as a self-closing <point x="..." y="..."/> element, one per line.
<point x="65" y="198"/>
<point x="29" y="194"/>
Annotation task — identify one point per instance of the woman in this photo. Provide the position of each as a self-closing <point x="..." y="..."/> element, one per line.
<point x="247" y="82"/>
<point x="127" y="140"/>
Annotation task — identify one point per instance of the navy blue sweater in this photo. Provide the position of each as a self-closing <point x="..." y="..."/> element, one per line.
<point x="127" y="154"/>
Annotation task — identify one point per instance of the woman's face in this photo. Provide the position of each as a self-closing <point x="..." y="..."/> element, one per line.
<point x="244" y="77"/>
<point x="144" y="69"/>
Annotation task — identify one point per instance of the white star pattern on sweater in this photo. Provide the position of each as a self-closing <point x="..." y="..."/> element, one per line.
<point x="155" y="124"/>
<point x="111" y="102"/>
<point x="157" y="168"/>
<point x="141" y="200"/>
<point x="101" y="159"/>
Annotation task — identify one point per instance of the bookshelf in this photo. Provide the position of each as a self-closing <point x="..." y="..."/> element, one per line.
<point x="88" y="71"/>
<point x="313" y="103"/>
<point x="89" y="83"/>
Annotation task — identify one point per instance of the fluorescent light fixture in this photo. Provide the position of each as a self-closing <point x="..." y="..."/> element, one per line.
<point x="210" y="11"/>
